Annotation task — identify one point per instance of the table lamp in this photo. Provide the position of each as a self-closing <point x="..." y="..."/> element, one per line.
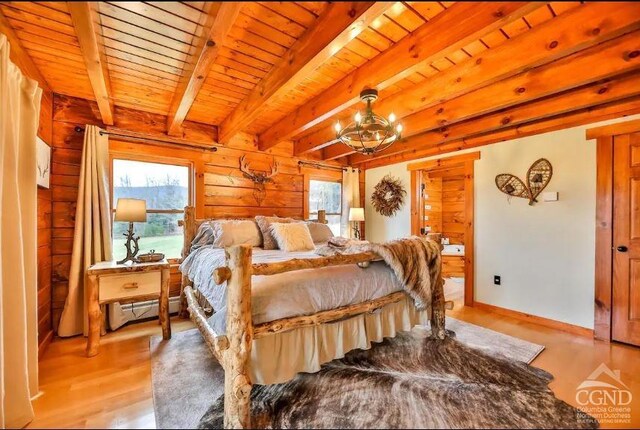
<point x="131" y="210"/>
<point x="356" y="215"/>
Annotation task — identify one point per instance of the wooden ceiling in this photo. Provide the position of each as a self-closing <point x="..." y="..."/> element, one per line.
<point x="457" y="74"/>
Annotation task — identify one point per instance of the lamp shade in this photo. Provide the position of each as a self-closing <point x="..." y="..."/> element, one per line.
<point x="356" y="214"/>
<point x="131" y="210"/>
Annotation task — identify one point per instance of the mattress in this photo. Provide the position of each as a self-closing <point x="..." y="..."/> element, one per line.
<point x="285" y="295"/>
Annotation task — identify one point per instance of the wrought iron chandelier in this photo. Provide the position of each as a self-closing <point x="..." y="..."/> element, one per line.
<point x="369" y="133"/>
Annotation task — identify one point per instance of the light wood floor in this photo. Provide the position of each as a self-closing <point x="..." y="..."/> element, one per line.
<point x="113" y="389"/>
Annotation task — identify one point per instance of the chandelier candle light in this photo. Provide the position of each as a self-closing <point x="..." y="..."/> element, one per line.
<point x="369" y="133"/>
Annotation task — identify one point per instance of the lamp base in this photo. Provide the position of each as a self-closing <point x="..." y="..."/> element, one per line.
<point x="132" y="251"/>
<point x="356" y="231"/>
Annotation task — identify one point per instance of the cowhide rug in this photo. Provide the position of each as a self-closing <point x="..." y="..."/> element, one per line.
<point x="410" y="382"/>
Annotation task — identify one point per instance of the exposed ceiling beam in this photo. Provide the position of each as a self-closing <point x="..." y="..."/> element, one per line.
<point x="338" y="25"/>
<point x="448" y="31"/>
<point x="86" y="23"/>
<point x="19" y="55"/>
<point x="219" y="21"/>
<point x="618" y="109"/>
<point x="580" y="28"/>
<point x="582" y="98"/>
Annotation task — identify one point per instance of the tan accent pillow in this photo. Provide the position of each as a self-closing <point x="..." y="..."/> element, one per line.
<point x="236" y="232"/>
<point x="292" y="237"/>
<point x="264" y="223"/>
<point x="320" y="233"/>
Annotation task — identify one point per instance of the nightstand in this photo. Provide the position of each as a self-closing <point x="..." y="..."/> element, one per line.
<point x="125" y="283"/>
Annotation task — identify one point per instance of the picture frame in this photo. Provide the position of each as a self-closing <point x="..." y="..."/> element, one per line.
<point x="43" y="161"/>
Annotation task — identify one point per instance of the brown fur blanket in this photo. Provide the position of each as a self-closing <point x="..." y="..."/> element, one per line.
<point x="416" y="262"/>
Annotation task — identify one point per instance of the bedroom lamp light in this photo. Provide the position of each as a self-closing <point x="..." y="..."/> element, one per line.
<point x="131" y="210"/>
<point x="356" y="216"/>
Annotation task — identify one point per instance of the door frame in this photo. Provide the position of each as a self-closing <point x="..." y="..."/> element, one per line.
<point x="467" y="161"/>
<point x="604" y="223"/>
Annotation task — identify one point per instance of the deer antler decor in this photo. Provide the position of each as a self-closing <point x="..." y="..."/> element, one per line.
<point x="259" y="178"/>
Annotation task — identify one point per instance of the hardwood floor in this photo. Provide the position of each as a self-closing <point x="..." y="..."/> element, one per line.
<point x="113" y="389"/>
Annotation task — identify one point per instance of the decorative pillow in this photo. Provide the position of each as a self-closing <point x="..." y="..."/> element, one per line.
<point x="320" y="233"/>
<point x="236" y="232"/>
<point x="264" y="223"/>
<point x="292" y="237"/>
<point x="204" y="236"/>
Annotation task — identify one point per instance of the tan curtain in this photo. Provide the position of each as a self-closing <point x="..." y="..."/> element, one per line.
<point x="350" y="199"/>
<point x="19" y="116"/>
<point x="92" y="234"/>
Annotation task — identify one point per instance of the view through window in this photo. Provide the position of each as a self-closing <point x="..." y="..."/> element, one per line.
<point x="328" y="196"/>
<point x="165" y="188"/>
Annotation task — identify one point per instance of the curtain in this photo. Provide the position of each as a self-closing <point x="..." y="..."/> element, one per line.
<point x="19" y="117"/>
<point x="350" y="199"/>
<point x="92" y="233"/>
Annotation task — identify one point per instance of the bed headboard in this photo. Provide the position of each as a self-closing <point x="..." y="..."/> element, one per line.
<point x="190" y="227"/>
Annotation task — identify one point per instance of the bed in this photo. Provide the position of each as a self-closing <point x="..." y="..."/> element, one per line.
<point x="268" y="315"/>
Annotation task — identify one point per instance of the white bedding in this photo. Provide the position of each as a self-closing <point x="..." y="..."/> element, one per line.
<point x="301" y="292"/>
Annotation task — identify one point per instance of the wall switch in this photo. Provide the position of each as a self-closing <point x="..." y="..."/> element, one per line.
<point x="550" y="196"/>
<point x="496" y="279"/>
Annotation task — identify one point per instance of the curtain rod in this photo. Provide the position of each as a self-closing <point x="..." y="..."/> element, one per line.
<point x="79" y="129"/>
<point x="323" y="166"/>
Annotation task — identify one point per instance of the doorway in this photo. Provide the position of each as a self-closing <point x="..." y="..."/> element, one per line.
<point x="617" y="293"/>
<point x="442" y="202"/>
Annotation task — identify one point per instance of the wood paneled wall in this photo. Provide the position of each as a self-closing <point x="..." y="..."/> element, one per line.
<point x="44" y="233"/>
<point x="453" y="208"/>
<point x="220" y="188"/>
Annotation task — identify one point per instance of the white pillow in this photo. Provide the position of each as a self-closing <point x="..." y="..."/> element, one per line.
<point x="292" y="237"/>
<point x="236" y="232"/>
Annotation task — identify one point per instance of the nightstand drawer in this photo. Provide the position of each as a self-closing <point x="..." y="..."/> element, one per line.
<point x="129" y="285"/>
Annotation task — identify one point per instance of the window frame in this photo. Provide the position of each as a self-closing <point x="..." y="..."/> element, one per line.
<point x="324" y="180"/>
<point x="155" y="160"/>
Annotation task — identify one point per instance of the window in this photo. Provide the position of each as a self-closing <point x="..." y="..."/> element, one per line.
<point x="166" y="189"/>
<point x="328" y="196"/>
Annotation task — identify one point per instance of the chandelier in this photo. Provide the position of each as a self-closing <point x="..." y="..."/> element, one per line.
<point x="369" y="133"/>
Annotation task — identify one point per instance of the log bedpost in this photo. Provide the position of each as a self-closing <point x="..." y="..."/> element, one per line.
<point x="190" y="226"/>
<point x="237" y="381"/>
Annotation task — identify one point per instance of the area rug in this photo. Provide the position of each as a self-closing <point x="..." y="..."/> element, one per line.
<point x="479" y="379"/>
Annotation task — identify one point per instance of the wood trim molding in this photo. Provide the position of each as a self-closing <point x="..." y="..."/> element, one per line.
<point x="604" y="238"/>
<point x="85" y="18"/>
<point x="444" y="162"/>
<point x="416" y="195"/>
<point x="469" y="210"/>
<point x="534" y="319"/>
<point x="614" y="129"/>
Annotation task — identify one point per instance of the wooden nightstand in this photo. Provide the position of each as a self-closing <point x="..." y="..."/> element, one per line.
<point x="125" y="283"/>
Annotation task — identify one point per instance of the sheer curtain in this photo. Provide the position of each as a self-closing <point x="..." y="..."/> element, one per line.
<point x="19" y="117"/>
<point x="350" y="198"/>
<point x="92" y="233"/>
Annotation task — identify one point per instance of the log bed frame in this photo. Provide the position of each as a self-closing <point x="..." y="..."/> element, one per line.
<point x="233" y="349"/>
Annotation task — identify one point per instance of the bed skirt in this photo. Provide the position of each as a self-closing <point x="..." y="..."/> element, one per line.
<point x="277" y="358"/>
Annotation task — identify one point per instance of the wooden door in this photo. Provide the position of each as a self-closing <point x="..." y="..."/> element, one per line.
<point x="626" y="239"/>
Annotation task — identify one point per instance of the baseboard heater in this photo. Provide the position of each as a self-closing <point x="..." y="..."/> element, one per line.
<point x="146" y="310"/>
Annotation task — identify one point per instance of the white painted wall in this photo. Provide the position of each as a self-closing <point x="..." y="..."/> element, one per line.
<point x="544" y="253"/>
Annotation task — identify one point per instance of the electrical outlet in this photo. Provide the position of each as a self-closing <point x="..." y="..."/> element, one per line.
<point x="496" y="279"/>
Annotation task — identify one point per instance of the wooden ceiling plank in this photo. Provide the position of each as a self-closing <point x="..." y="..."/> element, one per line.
<point x="337" y="26"/>
<point x="572" y="119"/>
<point x="451" y="30"/>
<point x="86" y="21"/>
<point x="219" y="23"/>
<point x="597" y="22"/>
<point x="582" y="98"/>
<point x="19" y="55"/>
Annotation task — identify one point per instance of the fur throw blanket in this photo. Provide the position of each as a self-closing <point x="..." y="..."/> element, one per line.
<point x="416" y="262"/>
